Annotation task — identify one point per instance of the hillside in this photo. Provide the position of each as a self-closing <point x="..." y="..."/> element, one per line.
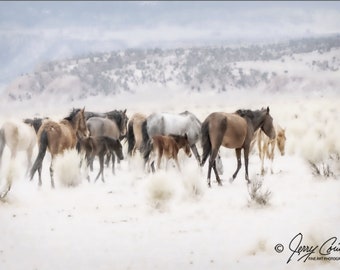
<point x="305" y="64"/>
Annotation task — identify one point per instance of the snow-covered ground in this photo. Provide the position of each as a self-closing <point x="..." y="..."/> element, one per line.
<point x="172" y="220"/>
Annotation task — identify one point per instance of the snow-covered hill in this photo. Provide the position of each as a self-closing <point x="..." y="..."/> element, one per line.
<point x="306" y="64"/>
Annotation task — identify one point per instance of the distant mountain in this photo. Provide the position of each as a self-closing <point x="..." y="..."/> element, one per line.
<point x="269" y="66"/>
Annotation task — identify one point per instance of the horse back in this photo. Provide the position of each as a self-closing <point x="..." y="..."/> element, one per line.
<point x="227" y="129"/>
<point x="19" y="135"/>
<point x="102" y="127"/>
<point x="177" y="124"/>
<point x="60" y="136"/>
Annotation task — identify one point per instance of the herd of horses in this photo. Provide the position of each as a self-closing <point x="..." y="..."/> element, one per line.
<point x="155" y="136"/>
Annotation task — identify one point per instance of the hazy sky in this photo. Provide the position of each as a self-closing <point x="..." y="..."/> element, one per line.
<point x="32" y="32"/>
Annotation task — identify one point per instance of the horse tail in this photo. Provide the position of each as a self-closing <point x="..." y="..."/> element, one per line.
<point x="205" y="141"/>
<point x="2" y="143"/>
<point x="43" y="143"/>
<point x="130" y="138"/>
<point x="146" y="143"/>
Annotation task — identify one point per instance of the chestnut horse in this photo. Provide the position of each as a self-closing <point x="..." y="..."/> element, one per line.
<point x="168" y="146"/>
<point x="236" y="131"/>
<point x="100" y="146"/>
<point x="56" y="137"/>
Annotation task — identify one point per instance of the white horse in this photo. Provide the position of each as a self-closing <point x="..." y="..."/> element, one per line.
<point x="18" y="136"/>
<point x="175" y="124"/>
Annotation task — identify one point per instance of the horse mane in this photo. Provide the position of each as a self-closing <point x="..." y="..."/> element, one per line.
<point x="245" y="113"/>
<point x="72" y="114"/>
<point x="117" y="116"/>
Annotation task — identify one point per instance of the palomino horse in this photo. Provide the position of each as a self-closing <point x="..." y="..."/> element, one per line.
<point x="100" y="146"/>
<point x="168" y="146"/>
<point x="176" y="124"/>
<point x="233" y="130"/>
<point x="57" y="137"/>
<point x="266" y="146"/>
<point x="134" y="133"/>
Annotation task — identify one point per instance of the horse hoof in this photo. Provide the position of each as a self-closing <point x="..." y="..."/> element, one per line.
<point x="231" y="180"/>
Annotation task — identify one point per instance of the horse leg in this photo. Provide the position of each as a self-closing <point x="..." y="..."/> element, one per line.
<point x="246" y="162"/>
<point x="197" y="156"/>
<point x="159" y="159"/>
<point x="271" y="155"/>
<point x="212" y="164"/>
<point x="239" y="163"/>
<point x="177" y="163"/>
<point x="216" y="173"/>
<point x="51" y="174"/>
<point x="29" y="159"/>
<point x="113" y="163"/>
<point x="108" y="157"/>
<point x="101" y="170"/>
<point x="91" y="162"/>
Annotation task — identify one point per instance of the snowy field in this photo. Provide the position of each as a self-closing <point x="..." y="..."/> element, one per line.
<point x="172" y="220"/>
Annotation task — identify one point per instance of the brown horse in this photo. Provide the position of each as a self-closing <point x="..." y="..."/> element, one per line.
<point x="134" y="133"/>
<point x="266" y="146"/>
<point x="56" y="137"/>
<point x="100" y="146"/>
<point x="168" y="146"/>
<point x="233" y="130"/>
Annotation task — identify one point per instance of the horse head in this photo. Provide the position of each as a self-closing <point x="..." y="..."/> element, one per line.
<point x="78" y="120"/>
<point x="267" y="126"/>
<point x="121" y="120"/>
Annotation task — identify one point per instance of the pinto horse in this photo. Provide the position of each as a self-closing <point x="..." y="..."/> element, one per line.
<point x="168" y="146"/>
<point x="266" y="146"/>
<point x="57" y="137"/>
<point x="100" y="146"/>
<point x="236" y="131"/>
<point x="20" y="136"/>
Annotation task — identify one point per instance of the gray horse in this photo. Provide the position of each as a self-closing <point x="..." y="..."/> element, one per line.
<point x="176" y="124"/>
<point x="173" y="124"/>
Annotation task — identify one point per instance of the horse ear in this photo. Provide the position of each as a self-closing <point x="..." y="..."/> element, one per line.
<point x="124" y="111"/>
<point x="268" y="110"/>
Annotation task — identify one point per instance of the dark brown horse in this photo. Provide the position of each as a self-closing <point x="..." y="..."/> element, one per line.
<point x="112" y="124"/>
<point x="56" y="137"/>
<point x="168" y="146"/>
<point x="236" y="131"/>
<point x="100" y="146"/>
